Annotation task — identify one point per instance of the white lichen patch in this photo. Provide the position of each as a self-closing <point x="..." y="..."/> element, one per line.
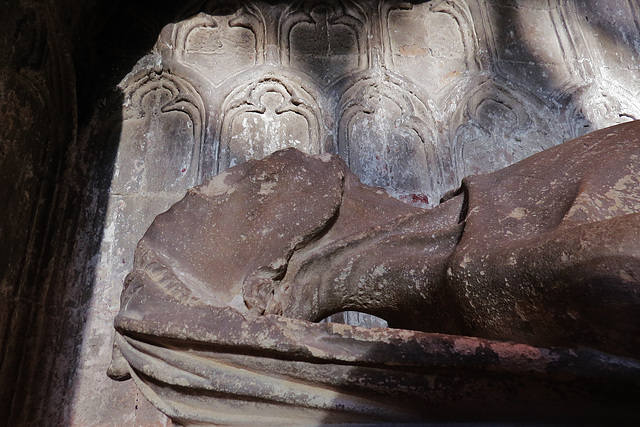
<point x="379" y="271"/>
<point x="267" y="188"/>
<point x="625" y="194"/>
<point x="326" y="157"/>
<point x="266" y="231"/>
<point x="517" y="213"/>
<point x="465" y="261"/>
<point x="217" y="186"/>
<point x="278" y="263"/>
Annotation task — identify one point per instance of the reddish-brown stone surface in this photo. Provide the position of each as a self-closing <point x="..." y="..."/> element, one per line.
<point x="516" y="299"/>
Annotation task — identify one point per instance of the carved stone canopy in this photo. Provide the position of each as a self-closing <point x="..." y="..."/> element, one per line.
<point x="515" y="299"/>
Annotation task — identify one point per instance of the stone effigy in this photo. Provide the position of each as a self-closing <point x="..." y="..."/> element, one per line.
<point x="516" y="298"/>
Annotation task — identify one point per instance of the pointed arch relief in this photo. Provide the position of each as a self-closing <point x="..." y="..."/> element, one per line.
<point x="267" y="115"/>
<point x="326" y="39"/>
<point x="388" y="136"/>
<point x="498" y="125"/>
<point x="162" y="136"/>
<point x="611" y="33"/>
<point x="159" y="158"/>
<point x="599" y="105"/>
<point x="437" y="39"/>
<point x="219" y="43"/>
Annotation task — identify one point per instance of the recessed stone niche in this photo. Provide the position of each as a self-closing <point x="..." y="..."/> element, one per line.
<point x="414" y="96"/>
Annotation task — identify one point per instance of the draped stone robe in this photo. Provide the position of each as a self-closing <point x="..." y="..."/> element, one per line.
<point x="516" y="298"/>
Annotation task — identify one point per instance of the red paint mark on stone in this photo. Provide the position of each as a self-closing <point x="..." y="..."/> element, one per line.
<point x="419" y="198"/>
<point x="415" y="199"/>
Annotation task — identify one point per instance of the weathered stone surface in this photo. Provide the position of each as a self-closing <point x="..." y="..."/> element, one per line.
<point x="517" y="299"/>
<point x="415" y="96"/>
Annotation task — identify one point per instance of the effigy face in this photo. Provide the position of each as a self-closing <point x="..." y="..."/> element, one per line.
<point x="517" y="298"/>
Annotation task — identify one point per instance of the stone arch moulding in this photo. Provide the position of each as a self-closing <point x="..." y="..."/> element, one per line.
<point x="457" y="10"/>
<point x="609" y="43"/>
<point x="576" y="58"/>
<point x="593" y="97"/>
<point x="158" y="158"/>
<point x="335" y="33"/>
<point x="388" y="136"/>
<point x="152" y="96"/>
<point x="598" y="105"/>
<point x="219" y="43"/>
<point x="497" y="124"/>
<point x="268" y="114"/>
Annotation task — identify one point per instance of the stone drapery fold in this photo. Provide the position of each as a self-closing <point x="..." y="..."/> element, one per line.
<point x="516" y="299"/>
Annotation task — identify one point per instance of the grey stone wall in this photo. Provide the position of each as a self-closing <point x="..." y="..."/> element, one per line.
<point x="413" y="95"/>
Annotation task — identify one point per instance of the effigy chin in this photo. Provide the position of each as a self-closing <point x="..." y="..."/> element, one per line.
<point x="515" y="299"/>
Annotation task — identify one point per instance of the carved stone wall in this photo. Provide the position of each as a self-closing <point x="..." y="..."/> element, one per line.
<point x="413" y="95"/>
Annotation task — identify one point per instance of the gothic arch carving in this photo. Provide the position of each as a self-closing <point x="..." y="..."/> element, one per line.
<point x="497" y="125"/>
<point x="387" y="135"/>
<point x="593" y="107"/>
<point x="571" y="39"/>
<point x="265" y="115"/>
<point x="222" y="41"/>
<point x="595" y="99"/>
<point x="329" y="36"/>
<point x="417" y="47"/>
<point x="158" y="158"/>
<point x="170" y="115"/>
<point x="460" y="12"/>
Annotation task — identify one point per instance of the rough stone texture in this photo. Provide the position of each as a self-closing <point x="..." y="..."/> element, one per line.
<point x="38" y="130"/>
<point x="455" y="86"/>
<point x="216" y="323"/>
<point x="56" y="167"/>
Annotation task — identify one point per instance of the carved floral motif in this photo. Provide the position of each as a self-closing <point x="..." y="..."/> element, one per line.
<point x="413" y="96"/>
<point x="168" y="118"/>
<point x="265" y="116"/>
<point x="513" y="120"/>
<point x="325" y="39"/>
<point x="387" y="135"/>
